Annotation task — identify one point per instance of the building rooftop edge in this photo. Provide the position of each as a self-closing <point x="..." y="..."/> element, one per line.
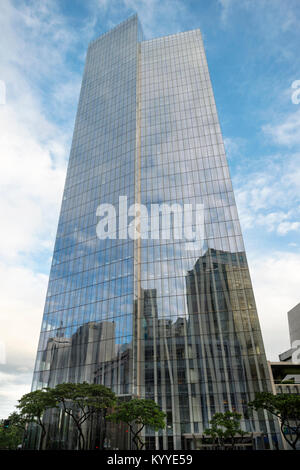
<point x="174" y="34"/>
<point x="130" y="18"/>
<point x="296" y="307"/>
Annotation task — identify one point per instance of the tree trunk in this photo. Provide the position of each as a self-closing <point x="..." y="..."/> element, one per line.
<point x="81" y="436"/>
<point x="291" y="443"/>
<point x="43" y="433"/>
<point x="81" y="439"/>
<point x="104" y="428"/>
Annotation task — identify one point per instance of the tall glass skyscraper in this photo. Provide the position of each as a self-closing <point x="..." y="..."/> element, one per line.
<point x="151" y="316"/>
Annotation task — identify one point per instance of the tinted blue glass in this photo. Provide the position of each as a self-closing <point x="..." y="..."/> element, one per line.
<point x="149" y="317"/>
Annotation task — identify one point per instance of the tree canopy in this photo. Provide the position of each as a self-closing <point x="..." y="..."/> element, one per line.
<point x="11" y="431"/>
<point x="80" y="401"/>
<point x="138" y="413"/>
<point x="32" y="407"/>
<point x="286" y="407"/>
<point x="224" y="427"/>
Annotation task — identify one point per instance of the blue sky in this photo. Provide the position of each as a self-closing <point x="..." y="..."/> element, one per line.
<point x="252" y="49"/>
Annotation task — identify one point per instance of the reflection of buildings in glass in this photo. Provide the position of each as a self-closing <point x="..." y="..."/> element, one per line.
<point x="114" y="373"/>
<point x="90" y="354"/>
<point x="162" y="360"/>
<point x="55" y="360"/>
<point x="220" y="337"/>
<point x="147" y="317"/>
<point x="209" y="361"/>
<point x="73" y="359"/>
<point x="91" y="344"/>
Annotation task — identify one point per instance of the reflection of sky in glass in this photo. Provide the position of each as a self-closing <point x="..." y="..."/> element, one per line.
<point x="201" y="303"/>
<point x="91" y="280"/>
<point x="151" y="317"/>
<point x="182" y="158"/>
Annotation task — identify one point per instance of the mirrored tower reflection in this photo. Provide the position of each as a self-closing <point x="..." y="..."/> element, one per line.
<point x="148" y="317"/>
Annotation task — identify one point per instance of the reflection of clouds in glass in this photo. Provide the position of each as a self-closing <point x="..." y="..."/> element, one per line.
<point x="151" y="317"/>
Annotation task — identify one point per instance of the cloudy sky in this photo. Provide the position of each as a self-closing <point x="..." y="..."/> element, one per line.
<point x="252" y="49"/>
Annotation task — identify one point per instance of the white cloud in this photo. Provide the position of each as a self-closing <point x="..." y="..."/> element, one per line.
<point x="156" y="15"/>
<point x="226" y="6"/>
<point x="276" y="25"/>
<point x="287" y="132"/>
<point x="12" y="387"/>
<point x="276" y="16"/>
<point x="34" y="150"/>
<point x="285" y="227"/>
<point x="276" y="280"/>
<point x="234" y="147"/>
<point x="270" y="197"/>
<point x="31" y="183"/>
<point x="42" y="91"/>
<point x="32" y="167"/>
<point x="22" y="294"/>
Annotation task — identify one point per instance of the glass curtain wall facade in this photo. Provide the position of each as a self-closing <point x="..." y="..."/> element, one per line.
<point x="148" y="317"/>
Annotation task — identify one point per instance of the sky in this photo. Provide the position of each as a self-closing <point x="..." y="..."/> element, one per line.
<point x="252" y="49"/>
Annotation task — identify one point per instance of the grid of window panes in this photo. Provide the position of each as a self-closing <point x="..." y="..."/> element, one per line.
<point x="86" y="331"/>
<point x="150" y="317"/>
<point x="201" y="342"/>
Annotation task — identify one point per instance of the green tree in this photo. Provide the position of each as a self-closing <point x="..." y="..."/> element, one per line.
<point x="224" y="427"/>
<point x="286" y="407"/>
<point x="16" y="420"/>
<point x="11" y="435"/>
<point x="138" y="413"/>
<point x="32" y="407"/>
<point x="80" y="401"/>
